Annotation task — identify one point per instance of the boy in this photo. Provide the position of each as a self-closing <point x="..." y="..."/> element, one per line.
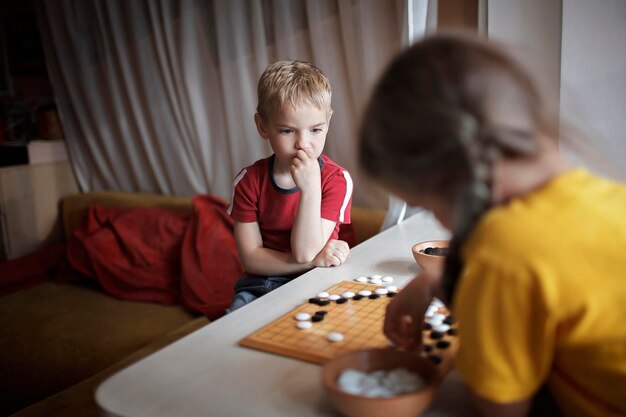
<point x="288" y="208"/>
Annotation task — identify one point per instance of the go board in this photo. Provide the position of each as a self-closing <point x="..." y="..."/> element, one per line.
<point x="359" y="321"/>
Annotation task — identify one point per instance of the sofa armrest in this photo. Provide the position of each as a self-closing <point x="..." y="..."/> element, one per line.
<point x="74" y="206"/>
<point x="366" y="221"/>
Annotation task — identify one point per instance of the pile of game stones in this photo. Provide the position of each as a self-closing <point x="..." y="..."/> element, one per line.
<point x="435" y="251"/>
<point x="437" y="325"/>
<point x="381" y="384"/>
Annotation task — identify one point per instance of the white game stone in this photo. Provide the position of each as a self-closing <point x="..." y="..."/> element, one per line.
<point x="392" y="288"/>
<point x="365" y="293"/>
<point x="334" y="297"/>
<point x="442" y="328"/>
<point x="335" y="337"/>
<point x="361" y="279"/>
<point x="304" y="325"/>
<point x="323" y="294"/>
<point x="387" y="279"/>
<point x="303" y="316"/>
<point x="437" y="302"/>
<point x="381" y="291"/>
<point x="434" y="321"/>
<point x="438" y="317"/>
<point x="431" y="310"/>
<point x="347" y="294"/>
<point x="375" y="277"/>
<point x="375" y="281"/>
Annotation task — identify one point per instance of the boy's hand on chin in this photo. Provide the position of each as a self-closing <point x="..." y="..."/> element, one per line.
<point x="305" y="170"/>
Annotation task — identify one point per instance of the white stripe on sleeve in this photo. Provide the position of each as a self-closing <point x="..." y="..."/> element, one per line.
<point x="235" y="182"/>
<point x="346" y="198"/>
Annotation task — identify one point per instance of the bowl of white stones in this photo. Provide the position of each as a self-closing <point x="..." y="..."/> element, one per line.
<point x="380" y="382"/>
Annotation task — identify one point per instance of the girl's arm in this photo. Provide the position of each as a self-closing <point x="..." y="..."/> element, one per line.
<point x="405" y="313"/>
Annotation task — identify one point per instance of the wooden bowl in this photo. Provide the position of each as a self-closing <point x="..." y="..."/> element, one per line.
<point x="431" y="263"/>
<point x="410" y="404"/>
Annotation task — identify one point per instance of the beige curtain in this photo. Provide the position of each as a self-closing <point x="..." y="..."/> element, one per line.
<point x="159" y="95"/>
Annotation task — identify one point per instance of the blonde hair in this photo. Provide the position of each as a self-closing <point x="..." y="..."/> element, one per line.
<point x="293" y="82"/>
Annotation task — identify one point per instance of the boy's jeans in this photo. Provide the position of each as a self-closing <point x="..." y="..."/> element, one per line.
<point x="248" y="289"/>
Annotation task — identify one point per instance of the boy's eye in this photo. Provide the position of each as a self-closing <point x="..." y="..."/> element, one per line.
<point x="317" y="130"/>
<point x="285" y="131"/>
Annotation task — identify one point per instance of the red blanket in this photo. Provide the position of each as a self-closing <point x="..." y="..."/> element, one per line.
<point x="153" y="254"/>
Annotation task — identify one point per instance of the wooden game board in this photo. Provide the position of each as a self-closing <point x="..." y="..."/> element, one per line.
<point x="360" y="321"/>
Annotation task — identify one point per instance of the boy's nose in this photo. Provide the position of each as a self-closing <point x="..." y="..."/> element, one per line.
<point x="302" y="142"/>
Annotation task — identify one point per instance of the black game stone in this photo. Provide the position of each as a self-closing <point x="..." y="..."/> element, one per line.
<point x="374" y="296"/>
<point x="443" y="344"/>
<point x="341" y="300"/>
<point x="435" y="359"/>
<point x="357" y="297"/>
<point x="436" y="335"/>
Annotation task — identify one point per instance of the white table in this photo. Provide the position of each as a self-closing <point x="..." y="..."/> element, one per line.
<point x="207" y="374"/>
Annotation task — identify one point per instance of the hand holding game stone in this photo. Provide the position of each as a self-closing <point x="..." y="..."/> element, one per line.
<point x="334" y="253"/>
<point x="404" y="316"/>
<point x="305" y="170"/>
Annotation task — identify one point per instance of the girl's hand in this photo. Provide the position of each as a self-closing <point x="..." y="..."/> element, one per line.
<point x="334" y="253"/>
<point x="305" y="170"/>
<point x="405" y="312"/>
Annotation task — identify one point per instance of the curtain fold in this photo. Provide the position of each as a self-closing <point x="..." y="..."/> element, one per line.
<point x="159" y="95"/>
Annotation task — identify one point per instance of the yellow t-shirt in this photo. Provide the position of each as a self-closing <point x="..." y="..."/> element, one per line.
<point x="542" y="297"/>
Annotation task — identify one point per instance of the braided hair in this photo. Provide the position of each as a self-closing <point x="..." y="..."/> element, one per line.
<point x="442" y="115"/>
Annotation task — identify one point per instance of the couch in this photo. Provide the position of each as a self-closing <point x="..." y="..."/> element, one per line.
<point x="59" y="341"/>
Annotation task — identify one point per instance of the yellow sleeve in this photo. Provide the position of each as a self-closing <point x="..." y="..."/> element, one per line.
<point x="507" y="338"/>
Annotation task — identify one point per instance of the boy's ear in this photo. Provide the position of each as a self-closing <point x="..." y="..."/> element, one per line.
<point x="330" y="114"/>
<point x="260" y="126"/>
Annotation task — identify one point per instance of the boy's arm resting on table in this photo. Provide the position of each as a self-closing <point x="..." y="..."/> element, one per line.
<point x="256" y="259"/>
<point x="310" y="233"/>
<point x="263" y="261"/>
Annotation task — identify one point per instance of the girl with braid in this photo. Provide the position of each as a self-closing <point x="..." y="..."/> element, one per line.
<point x="536" y="272"/>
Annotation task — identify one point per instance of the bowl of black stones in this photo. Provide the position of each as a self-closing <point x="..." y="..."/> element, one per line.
<point x="380" y="383"/>
<point x="431" y="254"/>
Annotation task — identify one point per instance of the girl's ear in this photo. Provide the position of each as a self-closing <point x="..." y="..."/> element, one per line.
<point x="260" y="126"/>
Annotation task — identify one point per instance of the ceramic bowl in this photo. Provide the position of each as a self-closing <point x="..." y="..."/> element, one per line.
<point x="431" y="263"/>
<point x="405" y="405"/>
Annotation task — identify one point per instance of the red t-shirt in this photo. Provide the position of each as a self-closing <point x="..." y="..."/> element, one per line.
<point x="257" y="198"/>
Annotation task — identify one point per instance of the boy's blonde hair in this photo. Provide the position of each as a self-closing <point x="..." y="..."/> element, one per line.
<point x="296" y="82"/>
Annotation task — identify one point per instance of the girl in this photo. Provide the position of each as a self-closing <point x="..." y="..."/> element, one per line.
<point x="537" y="265"/>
